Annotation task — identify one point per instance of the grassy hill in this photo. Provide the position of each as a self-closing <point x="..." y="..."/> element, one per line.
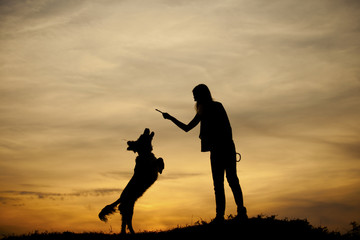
<point x="256" y="228"/>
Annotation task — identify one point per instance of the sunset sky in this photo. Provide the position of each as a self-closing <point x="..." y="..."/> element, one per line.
<point x="79" y="78"/>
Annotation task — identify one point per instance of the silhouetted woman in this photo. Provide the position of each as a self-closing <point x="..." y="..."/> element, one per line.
<point x="216" y="137"/>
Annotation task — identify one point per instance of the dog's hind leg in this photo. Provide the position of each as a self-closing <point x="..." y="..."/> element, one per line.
<point x="123" y="224"/>
<point x="129" y="219"/>
<point x="127" y="211"/>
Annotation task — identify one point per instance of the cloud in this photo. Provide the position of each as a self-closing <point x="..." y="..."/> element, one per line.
<point x="318" y="212"/>
<point x="181" y="175"/>
<point x="9" y="200"/>
<point x="350" y="149"/>
<point x="317" y="209"/>
<point x="60" y="196"/>
<point x="167" y="176"/>
<point x="118" y="174"/>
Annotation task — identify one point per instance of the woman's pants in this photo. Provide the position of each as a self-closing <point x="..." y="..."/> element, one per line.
<point x="223" y="160"/>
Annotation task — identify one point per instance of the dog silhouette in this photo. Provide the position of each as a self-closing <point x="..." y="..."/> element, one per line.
<point x="146" y="172"/>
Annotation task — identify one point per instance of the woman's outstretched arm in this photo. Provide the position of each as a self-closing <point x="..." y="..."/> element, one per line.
<point x="185" y="127"/>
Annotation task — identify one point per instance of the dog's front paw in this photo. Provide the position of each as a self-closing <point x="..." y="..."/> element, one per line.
<point x="160" y="165"/>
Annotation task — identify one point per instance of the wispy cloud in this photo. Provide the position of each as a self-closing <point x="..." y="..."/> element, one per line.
<point x="61" y="196"/>
<point x="171" y="175"/>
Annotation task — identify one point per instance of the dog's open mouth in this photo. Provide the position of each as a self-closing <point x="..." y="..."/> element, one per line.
<point x="131" y="146"/>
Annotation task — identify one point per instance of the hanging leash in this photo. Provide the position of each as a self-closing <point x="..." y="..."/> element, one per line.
<point x="239" y="157"/>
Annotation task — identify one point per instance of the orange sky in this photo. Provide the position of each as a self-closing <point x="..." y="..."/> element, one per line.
<point x="79" y="78"/>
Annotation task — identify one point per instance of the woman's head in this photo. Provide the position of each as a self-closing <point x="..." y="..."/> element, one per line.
<point x="202" y="94"/>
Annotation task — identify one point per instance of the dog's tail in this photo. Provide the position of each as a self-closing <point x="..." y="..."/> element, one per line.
<point x="108" y="210"/>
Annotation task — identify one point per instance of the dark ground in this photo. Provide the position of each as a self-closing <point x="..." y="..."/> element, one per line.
<point x="255" y="228"/>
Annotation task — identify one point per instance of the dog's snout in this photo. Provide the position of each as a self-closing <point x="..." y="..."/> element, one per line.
<point x="131" y="146"/>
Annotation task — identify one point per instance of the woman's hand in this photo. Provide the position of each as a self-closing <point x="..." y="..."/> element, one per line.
<point x="166" y="116"/>
<point x="185" y="127"/>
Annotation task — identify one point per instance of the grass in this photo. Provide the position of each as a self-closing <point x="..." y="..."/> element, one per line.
<point x="259" y="227"/>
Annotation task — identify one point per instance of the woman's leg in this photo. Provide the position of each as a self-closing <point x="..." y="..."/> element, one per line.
<point x="234" y="184"/>
<point x="217" y="170"/>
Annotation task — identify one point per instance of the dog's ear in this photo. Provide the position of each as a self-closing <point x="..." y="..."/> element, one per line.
<point x="152" y="135"/>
